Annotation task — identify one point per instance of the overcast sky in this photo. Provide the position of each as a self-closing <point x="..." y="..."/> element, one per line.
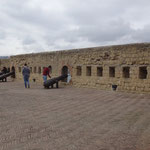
<point x="29" y="26"/>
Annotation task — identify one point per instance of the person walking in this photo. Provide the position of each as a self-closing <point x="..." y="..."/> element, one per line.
<point x="26" y="75"/>
<point x="46" y="72"/>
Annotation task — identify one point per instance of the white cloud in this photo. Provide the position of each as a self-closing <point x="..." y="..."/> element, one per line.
<point x="37" y="25"/>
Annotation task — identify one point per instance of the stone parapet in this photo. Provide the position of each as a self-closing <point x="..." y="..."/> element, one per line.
<point x="127" y="66"/>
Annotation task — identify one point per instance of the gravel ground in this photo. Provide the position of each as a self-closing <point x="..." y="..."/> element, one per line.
<point x="72" y="119"/>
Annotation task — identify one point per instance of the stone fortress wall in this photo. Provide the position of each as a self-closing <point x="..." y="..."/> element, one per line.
<point x="4" y="62"/>
<point x="127" y="66"/>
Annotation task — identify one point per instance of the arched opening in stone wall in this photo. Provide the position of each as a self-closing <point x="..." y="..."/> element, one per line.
<point x="64" y="71"/>
<point x="13" y="70"/>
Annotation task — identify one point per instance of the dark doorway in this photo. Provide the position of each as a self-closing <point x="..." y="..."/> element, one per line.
<point x="64" y="71"/>
<point x="50" y="69"/>
<point x="13" y="70"/>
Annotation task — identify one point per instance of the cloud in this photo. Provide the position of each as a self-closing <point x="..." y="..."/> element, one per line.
<point x="37" y="25"/>
<point x="142" y="35"/>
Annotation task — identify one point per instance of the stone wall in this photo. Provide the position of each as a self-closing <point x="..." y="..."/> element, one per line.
<point x="127" y="66"/>
<point x="4" y="63"/>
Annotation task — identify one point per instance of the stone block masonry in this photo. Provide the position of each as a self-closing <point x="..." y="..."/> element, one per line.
<point x="127" y="66"/>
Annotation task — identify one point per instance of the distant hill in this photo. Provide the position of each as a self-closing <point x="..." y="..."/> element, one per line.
<point x="4" y="57"/>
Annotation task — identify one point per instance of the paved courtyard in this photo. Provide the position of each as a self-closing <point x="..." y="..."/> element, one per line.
<point x="72" y="119"/>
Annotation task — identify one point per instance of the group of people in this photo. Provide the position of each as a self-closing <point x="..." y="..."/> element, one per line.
<point x="26" y="74"/>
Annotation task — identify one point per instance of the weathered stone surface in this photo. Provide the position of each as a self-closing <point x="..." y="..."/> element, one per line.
<point x="133" y="56"/>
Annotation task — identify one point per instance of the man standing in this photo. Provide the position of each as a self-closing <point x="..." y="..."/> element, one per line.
<point x="26" y="75"/>
<point x="46" y="72"/>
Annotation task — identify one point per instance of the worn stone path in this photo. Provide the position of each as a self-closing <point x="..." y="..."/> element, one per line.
<point x="72" y="119"/>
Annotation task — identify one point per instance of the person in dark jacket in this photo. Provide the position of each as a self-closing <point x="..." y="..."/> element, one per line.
<point x="26" y="75"/>
<point x="4" y="71"/>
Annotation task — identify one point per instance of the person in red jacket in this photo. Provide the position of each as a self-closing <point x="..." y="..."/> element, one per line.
<point x="46" y="72"/>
